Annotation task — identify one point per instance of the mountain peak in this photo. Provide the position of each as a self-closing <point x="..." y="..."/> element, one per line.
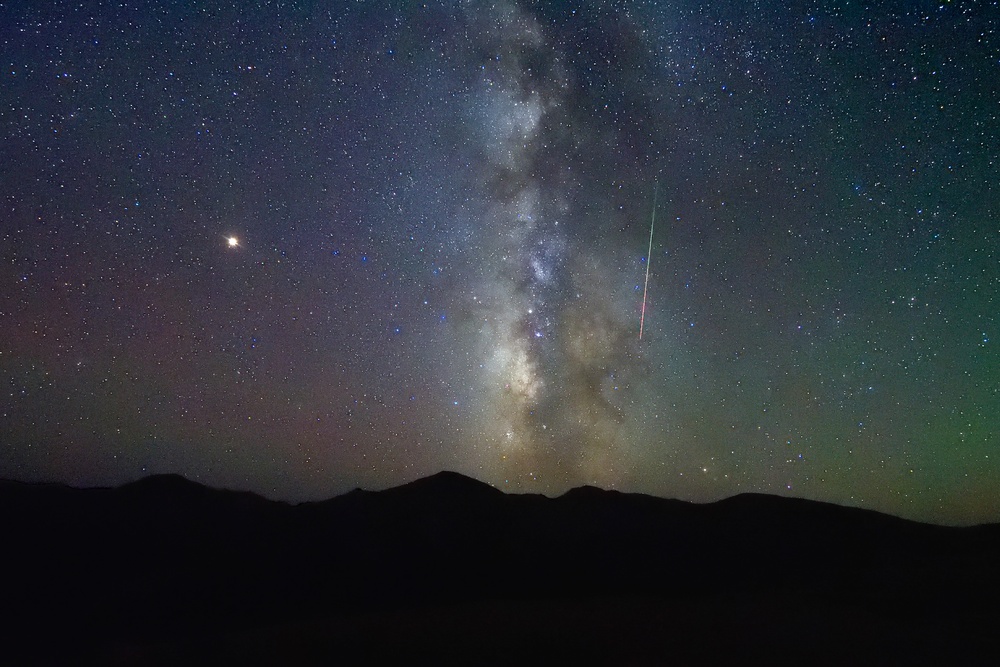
<point x="166" y="480"/>
<point x="448" y="483"/>
<point x="588" y="491"/>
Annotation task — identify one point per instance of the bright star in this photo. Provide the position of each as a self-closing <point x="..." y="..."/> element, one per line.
<point x="232" y="242"/>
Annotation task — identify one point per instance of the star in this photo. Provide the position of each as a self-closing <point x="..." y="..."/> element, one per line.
<point x="232" y="242"/>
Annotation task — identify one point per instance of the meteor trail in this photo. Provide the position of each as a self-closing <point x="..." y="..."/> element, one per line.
<point x="645" y="287"/>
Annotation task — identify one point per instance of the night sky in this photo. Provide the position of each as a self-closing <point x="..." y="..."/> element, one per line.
<point x="298" y="248"/>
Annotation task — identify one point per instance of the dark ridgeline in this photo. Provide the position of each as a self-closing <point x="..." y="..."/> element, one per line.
<point x="166" y="571"/>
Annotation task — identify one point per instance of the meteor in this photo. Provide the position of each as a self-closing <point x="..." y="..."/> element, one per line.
<point x="649" y="252"/>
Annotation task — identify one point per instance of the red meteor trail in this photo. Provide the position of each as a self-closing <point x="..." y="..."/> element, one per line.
<point x="642" y="318"/>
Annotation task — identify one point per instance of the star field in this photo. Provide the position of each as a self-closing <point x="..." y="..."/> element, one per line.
<point x="298" y="248"/>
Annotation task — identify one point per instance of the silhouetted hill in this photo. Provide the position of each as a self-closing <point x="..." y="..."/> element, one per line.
<point x="445" y="483"/>
<point x="168" y="570"/>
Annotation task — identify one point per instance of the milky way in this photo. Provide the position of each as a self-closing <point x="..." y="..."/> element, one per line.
<point x="547" y="381"/>
<point x="441" y="216"/>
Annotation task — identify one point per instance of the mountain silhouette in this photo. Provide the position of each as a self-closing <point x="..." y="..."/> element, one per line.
<point x="168" y="571"/>
<point x="445" y="484"/>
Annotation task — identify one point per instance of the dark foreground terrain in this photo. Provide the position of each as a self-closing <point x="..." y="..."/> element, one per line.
<point x="449" y="570"/>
